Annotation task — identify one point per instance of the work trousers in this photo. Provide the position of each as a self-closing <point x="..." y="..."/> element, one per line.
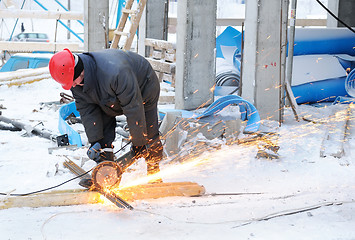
<point x="109" y="123"/>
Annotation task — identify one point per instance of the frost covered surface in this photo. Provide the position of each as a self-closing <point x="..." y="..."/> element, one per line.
<point x="241" y="189"/>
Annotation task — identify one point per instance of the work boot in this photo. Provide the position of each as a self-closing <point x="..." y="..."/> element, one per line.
<point x="155" y="155"/>
<point x="86" y="183"/>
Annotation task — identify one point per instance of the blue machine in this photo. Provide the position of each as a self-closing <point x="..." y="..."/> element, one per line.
<point x="23" y="61"/>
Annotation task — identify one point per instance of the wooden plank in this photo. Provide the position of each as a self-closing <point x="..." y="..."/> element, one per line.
<point x="129" y="11"/>
<point x="39" y="14"/>
<point x="159" y="44"/>
<point x="13" y="46"/>
<point x="161" y="66"/>
<point x="77" y="197"/>
<point x="120" y="33"/>
<point x="55" y="198"/>
<point x="160" y="190"/>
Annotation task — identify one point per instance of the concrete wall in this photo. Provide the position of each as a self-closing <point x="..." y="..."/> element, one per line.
<point x="195" y="57"/>
<point x="96" y="14"/>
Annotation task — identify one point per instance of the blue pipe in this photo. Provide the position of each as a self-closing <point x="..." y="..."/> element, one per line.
<point x="64" y="25"/>
<point x="67" y="11"/>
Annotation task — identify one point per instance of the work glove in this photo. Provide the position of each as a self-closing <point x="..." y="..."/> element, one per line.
<point x="94" y="152"/>
<point x="99" y="154"/>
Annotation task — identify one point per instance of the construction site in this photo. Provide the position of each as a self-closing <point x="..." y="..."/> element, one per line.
<point x="256" y="119"/>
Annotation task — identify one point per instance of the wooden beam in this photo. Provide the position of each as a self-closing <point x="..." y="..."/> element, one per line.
<point x="159" y="190"/>
<point x="159" y="44"/>
<point x="77" y="197"/>
<point x="13" y="46"/>
<point x="159" y="65"/>
<point x="17" y="13"/>
<point x="55" y="198"/>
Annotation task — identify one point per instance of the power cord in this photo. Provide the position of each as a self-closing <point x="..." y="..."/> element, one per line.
<point x="333" y="15"/>
<point x="123" y="147"/>
<point x="46" y="189"/>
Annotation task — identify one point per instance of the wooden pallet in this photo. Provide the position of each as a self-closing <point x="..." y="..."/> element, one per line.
<point x="162" y="56"/>
<point x="135" y="18"/>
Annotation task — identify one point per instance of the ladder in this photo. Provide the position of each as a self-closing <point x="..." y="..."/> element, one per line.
<point x="135" y="18"/>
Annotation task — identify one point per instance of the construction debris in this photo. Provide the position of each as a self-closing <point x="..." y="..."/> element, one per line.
<point x="336" y="131"/>
<point x="35" y="131"/>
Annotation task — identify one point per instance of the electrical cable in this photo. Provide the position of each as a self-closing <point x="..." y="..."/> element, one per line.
<point x="123" y="147"/>
<point x="46" y="189"/>
<point x="333" y="15"/>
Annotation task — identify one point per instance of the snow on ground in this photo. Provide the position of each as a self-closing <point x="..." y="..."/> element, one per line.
<point x="241" y="190"/>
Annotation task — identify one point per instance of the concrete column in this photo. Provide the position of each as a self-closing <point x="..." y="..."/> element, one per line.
<point x="195" y="56"/>
<point x="262" y="57"/>
<point x="346" y="12"/>
<point x="154" y="23"/>
<point x="96" y="14"/>
<point x="344" y="9"/>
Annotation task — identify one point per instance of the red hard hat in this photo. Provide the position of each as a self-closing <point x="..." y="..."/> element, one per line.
<point x="61" y="67"/>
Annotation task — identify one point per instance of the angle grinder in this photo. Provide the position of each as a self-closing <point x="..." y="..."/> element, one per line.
<point x="106" y="175"/>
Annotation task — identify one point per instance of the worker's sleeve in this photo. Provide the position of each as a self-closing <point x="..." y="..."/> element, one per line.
<point x="129" y="95"/>
<point x="91" y="117"/>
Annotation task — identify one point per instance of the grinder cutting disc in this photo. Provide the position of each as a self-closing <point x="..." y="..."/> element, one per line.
<point x="106" y="175"/>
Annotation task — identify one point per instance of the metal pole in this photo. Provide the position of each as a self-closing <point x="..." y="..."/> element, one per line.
<point x="289" y="63"/>
<point x="69" y="23"/>
<point x="283" y="27"/>
<point x="291" y="42"/>
<point x="241" y="63"/>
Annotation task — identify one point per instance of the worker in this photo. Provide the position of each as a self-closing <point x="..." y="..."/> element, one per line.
<point x="106" y="84"/>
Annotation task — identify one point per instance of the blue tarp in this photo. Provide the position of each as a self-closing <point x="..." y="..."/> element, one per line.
<point x="63" y="126"/>
<point x="337" y="42"/>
